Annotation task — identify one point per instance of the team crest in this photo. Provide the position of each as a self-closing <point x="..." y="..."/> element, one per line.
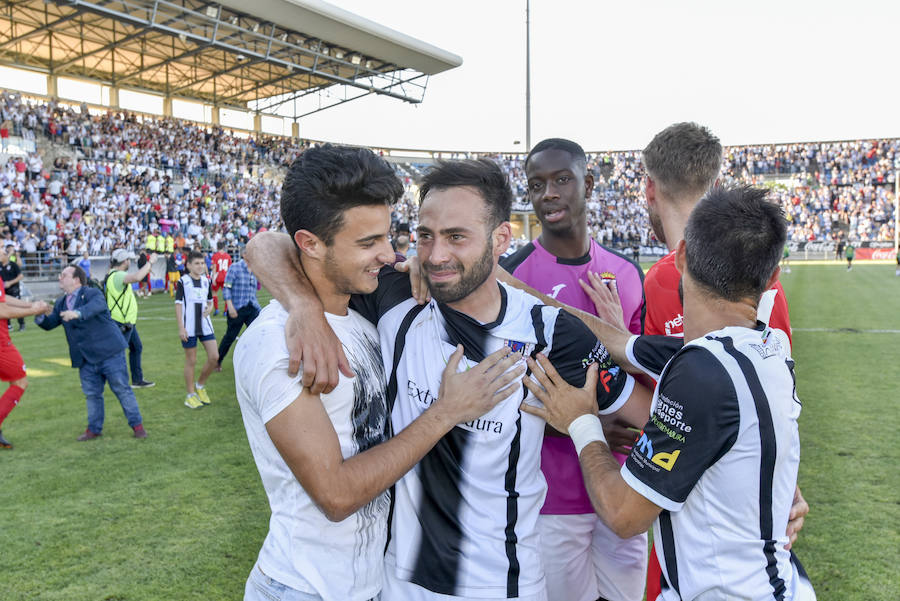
<point x="607" y="277"/>
<point x="523" y="348"/>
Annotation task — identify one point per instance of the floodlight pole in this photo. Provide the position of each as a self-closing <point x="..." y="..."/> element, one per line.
<point x="896" y="210"/>
<point x="527" y="75"/>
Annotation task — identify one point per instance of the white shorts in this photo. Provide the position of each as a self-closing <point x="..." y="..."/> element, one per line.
<point x="584" y="559"/>
<point x="401" y="590"/>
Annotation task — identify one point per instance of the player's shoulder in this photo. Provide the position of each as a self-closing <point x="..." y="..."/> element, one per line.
<point x="663" y="273"/>
<point x="512" y="261"/>
<point x="697" y="371"/>
<point x="615" y="258"/>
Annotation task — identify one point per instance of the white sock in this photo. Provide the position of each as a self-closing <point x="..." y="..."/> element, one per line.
<point x="198" y="386"/>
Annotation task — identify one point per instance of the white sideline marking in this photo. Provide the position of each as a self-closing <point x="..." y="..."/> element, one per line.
<point x="845" y="331"/>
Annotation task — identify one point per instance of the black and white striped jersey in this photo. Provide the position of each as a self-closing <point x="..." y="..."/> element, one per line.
<point x="464" y="519"/>
<point x="720" y="456"/>
<point x="193" y="295"/>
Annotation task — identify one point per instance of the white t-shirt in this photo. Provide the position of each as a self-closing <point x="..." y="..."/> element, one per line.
<point x="340" y="561"/>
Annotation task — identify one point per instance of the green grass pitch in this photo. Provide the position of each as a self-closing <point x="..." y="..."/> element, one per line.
<point x="182" y="514"/>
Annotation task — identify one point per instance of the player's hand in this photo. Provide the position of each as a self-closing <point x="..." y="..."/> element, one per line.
<point x="41" y="308"/>
<point x="470" y="394"/>
<point x="232" y="313"/>
<point x="605" y="297"/>
<point x="619" y="435"/>
<point x="795" y="519"/>
<point x="563" y="403"/>
<point x="68" y="315"/>
<point x="312" y="342"/>
<point x="182" y="333"/>
<point x="416" y="279"/>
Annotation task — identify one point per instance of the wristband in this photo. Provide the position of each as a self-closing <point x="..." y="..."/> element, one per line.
<point x="584" y="430"/>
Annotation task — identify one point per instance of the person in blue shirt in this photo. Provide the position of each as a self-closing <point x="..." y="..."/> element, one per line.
<point x="85" y="263"/>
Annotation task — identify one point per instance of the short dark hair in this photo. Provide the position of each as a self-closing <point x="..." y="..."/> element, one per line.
<point x="734" y="240"/>
<point x="482" y="174"/>
<point x="79" y="274"/>
<point x="684" y="158"/>
<point x="222" y="244"/>
<point x="327" y="180"/>
<point x="574" y="149"/>
<point x="195" y="254"/>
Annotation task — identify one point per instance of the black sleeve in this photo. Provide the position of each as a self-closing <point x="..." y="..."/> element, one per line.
<point x="393" y="289"/>
<point x="651" y="353"/>
<point x="179" y="291"/>
<point x="15" y="270"/>
<point x="695" y="421"/>
<point x="573" y="350"/>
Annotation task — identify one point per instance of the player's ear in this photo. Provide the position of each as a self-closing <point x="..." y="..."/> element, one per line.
<point x="774" y="279"/>
<point x="309" y="244"/>
<point x="680" y="259"/>
<point x="501" y="237"/>
<point x="649" y="190"/>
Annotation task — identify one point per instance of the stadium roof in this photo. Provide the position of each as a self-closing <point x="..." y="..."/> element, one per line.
<point x="230" y="52"/>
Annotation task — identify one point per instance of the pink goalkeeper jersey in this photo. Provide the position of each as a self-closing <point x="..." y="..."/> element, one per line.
<point x="558" y="278"/>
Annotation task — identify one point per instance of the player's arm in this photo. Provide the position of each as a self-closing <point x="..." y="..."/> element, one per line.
<point x="141" y="273"/>
<point x="671" y="455"/>
<point x="19" y="308"/>
<point x="208" y="305"/>
<point x="571" y="409"/>
<point x="179" y="310"/>
<point x="273" y="258"/>
<point x="306" y="440"/>
<point x="51" y="319"/>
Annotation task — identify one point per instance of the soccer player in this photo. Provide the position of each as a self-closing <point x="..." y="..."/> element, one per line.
<point x="849" y="252"/>
<point x="464" y="523"/>
<point x="715" y="468"/>
<point x="583" y="559"/>
<point x="221" y="261"/>
<point x="193" y="304"/>
<point x="325" y="460"/>
<point x="682" y="162"/>
<point x="12" y="367"/>
<point x="173" y="273"/>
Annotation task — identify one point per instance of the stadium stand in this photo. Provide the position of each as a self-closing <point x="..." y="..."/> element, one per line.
<point x="97" y="181"/>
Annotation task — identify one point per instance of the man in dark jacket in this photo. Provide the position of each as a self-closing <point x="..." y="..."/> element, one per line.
<point x="96" y="348"/>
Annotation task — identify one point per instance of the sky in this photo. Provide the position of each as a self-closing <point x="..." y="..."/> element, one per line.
<point x="609" y="75"/>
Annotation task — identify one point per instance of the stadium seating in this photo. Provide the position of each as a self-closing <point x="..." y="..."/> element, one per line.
<point x="98" y="181"/>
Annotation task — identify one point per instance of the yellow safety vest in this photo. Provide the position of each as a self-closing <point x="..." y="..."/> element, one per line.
<point x="161" y="243"/>
<point x="150" y="244"/>
<point x="170" y="244"/>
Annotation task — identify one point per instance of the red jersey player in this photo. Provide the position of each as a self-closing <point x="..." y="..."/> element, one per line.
<point x="221" y="261"/>
<point x="12" y="367"/>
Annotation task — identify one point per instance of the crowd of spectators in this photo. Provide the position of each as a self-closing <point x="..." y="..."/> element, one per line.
<point x="117" y="177"/>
